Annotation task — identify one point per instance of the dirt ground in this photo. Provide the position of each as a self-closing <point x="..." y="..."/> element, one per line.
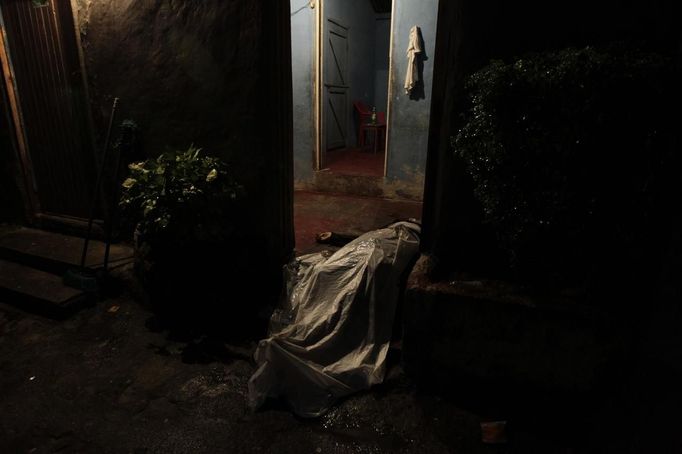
<point x="113" y="379"/>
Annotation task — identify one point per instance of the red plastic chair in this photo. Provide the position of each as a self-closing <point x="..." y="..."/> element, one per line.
<point x="364" y="117"/>
<point x="365" y="124"/>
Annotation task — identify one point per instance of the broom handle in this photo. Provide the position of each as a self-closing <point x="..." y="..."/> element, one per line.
<point x="112" y="210"/>
<point x="93" y="204"/>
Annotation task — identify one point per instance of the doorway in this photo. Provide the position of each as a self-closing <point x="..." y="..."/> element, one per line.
<point x="352" y="72"/>
<point x="43" y="74"/>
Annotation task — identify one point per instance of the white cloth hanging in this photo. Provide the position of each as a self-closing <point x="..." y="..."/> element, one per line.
<point x="414" y="48"/>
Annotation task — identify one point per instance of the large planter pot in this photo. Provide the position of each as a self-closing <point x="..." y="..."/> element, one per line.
<point x="201" y="283"/>
<point x="173" y="276"/>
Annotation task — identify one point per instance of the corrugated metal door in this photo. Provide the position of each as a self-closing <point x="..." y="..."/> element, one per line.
<point x="44" y="60"/>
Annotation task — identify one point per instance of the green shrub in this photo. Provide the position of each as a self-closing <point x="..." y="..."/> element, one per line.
<point x="567" y="150"/>
<point x="181" y="198"/>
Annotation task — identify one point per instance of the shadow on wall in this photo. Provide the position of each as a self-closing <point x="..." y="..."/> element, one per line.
<point x="418" y="93"/>
<point x="188" y="85"/>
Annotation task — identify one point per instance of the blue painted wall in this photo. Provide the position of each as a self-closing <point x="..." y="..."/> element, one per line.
<point x="303" y="66"/>
<point x="409" y="119"/>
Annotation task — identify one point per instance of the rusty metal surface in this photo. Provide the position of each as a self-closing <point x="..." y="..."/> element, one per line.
<point x="48" y="80"/>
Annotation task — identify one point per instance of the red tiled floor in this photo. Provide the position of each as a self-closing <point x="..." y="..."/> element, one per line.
<point x="316" y="212"/>
<point x="355" y="161"/>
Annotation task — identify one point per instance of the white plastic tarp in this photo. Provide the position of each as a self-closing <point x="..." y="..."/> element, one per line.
<point x="332" y="335"/>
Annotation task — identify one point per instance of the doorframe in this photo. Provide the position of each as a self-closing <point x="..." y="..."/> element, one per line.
<point x="33" y="210"/>
<point x="319" y="81"/>
<point x="319" y="86"/>
<point x="389" y="97"/>
<point x="30" y="187"/>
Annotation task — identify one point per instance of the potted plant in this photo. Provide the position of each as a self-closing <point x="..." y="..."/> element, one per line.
<point x="184" y="206"/>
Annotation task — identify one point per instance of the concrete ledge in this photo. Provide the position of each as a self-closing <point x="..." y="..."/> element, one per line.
<point x="491" y="332"/>
<point x="410" y="189"/>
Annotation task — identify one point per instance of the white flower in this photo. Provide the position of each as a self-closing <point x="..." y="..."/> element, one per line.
<point x="129" y="183"/>
<point x="138" y="167"/>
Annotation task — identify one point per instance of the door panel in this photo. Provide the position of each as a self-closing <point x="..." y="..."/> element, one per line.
<point x="337" y="118"/>
<point x="336" y="87"/>
<point x="338" y="57"/>
<point x="43" y="52"/>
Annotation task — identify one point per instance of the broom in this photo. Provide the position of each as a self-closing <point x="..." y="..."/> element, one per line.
<point x="84" y="278"/>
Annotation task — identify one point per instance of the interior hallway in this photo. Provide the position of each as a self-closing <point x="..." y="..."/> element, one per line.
<point x="318" y="212"/>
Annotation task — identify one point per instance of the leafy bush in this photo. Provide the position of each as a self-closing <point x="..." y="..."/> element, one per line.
<point x="181" y="198"/>
<point x="567" y="151"/>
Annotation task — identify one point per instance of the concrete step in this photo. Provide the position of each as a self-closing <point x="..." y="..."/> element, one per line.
<point x="55" y="253"/>
<point x="38" y="291"/>
<point x="364" y="186"/>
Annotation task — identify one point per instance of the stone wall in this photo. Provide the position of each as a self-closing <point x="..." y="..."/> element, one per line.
<point x="186" y="71"/>
<point x="213" y="73"/>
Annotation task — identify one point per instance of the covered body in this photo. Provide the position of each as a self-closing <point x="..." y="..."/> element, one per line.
<point x="332" y="336"/>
